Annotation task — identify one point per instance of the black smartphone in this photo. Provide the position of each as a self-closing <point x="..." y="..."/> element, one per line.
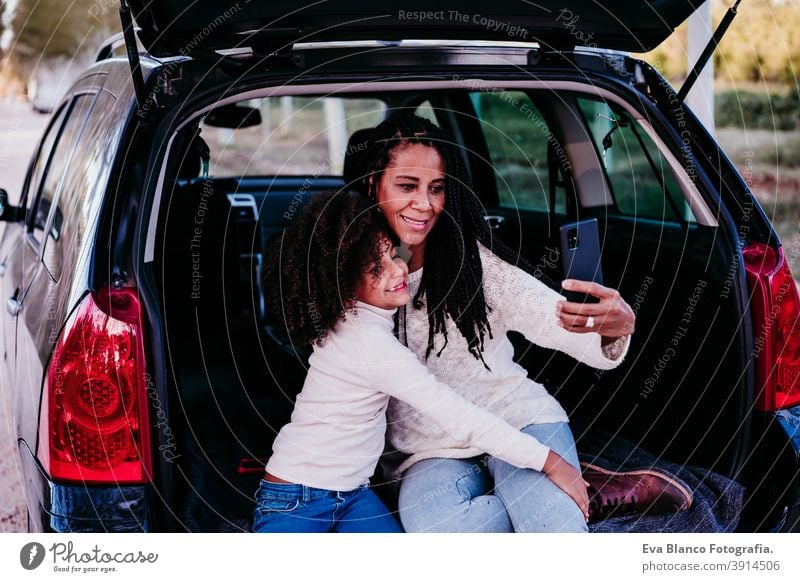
<point x="580" y="256"/>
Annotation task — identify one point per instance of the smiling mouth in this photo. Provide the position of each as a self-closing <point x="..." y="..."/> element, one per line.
<point x="402" y="286"/>
<point x="415" y="223"/>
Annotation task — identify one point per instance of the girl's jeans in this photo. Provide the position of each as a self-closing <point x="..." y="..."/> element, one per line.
<point x="455" y="495"/>
<point x="290" y="507"/>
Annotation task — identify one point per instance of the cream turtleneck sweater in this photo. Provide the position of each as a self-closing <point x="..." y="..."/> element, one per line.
<point x="518" y="302"/>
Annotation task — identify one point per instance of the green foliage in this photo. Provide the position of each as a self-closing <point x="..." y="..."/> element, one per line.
<point x="752" y="110"/>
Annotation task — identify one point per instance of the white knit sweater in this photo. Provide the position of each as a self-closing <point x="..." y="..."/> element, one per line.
<point x="336" y="434"/>
<point x="518" y="302"/>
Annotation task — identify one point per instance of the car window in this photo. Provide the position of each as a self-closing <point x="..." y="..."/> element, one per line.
<point x="79" y="190"/>
<point x="297" y="136"/>
<point x="641" y="180"/>
<point x="517" y="137"/>
<point x="60" y="160"/>
<point x="42" y="159"/>
<point x="426" y="110"/>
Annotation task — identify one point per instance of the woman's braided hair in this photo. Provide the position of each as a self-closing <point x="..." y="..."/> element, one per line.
<point x="316" y="266"/>
<point x="452" y="281"/>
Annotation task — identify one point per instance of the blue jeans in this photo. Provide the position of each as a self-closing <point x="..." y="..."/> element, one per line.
<point x="455" y="495"/>
<point x="290" y="507"/>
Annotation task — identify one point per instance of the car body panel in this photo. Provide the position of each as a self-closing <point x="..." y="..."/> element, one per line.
<point x="62" y="508"/>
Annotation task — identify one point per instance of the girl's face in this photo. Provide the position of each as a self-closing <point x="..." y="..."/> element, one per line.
<point x="390" y="289"/>
<point x="411" y="192"/>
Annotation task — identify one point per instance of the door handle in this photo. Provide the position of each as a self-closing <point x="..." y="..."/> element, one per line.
<point x="13" y="305"/>
<point x="495" y="221"/>
<point x="2" y="268"/>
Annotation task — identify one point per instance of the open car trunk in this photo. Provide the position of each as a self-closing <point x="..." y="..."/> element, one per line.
<point x="633" y="25"/>
<point x="679" y="395"/>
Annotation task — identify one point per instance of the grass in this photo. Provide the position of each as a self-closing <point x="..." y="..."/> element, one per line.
<point x="769" y="161"/>
<point x="769" y="150"/>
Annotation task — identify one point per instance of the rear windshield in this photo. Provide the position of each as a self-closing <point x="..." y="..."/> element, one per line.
<point x="641" y="180"/>
<point x="297" y="136"/>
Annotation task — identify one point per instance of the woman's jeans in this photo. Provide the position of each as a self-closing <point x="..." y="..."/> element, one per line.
<point x="290" y="507"/>
<point x="455" y="495"/>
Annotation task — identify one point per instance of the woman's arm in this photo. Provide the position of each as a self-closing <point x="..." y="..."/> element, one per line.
<point x="529" y="306"/>
<point x="611" y="316"/>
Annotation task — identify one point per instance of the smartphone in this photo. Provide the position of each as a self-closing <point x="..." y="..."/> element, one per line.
<point x="580" y="256"/>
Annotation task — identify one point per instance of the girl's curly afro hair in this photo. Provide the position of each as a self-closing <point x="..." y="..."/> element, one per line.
<point x="314" y="268"/>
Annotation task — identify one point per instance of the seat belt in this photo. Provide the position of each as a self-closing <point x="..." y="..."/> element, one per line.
<point x="244" y="215"/>
<point x="244" y="212"/>
<point x="553" y="170"/>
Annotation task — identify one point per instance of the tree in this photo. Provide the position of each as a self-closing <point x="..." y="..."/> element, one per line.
<point x="47" y="28"/>
<point x="762" y="44"/>
<point x="52" y="40"/>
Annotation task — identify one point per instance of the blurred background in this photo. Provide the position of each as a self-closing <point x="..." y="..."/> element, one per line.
<point x="756" y="105"/>
<point x="754" y="110"/>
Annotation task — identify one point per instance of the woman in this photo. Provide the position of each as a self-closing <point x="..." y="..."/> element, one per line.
<point x="467" y="293"/>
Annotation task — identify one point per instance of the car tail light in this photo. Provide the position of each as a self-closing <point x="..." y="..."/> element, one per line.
<point x="776" y="317"/>
<point x="94" y="426"/>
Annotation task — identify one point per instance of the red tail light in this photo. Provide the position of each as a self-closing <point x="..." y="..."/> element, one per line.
<point x="94" y="426"/>
<point x="776" y="317"/>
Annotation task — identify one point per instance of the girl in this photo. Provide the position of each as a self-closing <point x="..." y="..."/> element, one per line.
<point x="339" y="284"/>
<point x="467" y="293"/>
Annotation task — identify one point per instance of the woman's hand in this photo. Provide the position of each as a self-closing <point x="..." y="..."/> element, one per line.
<point x="612" y="317"/>
<point x="568" y="479"/>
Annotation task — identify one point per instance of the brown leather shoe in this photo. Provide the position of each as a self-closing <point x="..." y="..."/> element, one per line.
<point x="642" y="490"/>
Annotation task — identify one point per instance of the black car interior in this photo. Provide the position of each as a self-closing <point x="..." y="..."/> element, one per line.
<point x="235" y="379"/>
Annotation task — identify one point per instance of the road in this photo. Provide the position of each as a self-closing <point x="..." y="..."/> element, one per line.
<point x="20" y="129"/>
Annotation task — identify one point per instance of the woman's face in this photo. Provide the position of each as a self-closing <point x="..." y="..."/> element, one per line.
<point x="390" y="288"/>
<point x="411" y="192"/>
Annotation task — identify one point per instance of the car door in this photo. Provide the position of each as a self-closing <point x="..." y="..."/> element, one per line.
<point x="32" y="307"/>
<point x="13" y="252"/>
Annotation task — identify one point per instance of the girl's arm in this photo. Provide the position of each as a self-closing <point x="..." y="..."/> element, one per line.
<point x="529" y="306"/>
<point x="407" y="379"/>
<point x="404" y="377"/>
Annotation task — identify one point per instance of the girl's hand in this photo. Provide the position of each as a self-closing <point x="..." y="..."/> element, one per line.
<point x="568" y="479"/>
<point x="612" y="317"/>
